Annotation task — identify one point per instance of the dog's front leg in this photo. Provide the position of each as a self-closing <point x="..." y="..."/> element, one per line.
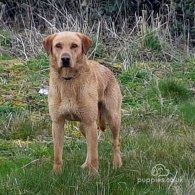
<point x="91" y="162"/>
<point x="58" y="140"/>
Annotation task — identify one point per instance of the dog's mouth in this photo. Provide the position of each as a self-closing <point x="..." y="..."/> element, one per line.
<point x="68" y="78"/>
<point x="67" y="73"/>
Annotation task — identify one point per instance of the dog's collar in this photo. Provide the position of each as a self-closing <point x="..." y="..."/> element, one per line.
<point x="67" y="78"/>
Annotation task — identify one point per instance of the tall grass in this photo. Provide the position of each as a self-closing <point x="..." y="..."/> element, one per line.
<point x="149" y="36"/>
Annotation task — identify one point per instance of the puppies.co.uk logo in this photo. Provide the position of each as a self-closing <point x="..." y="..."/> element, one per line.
<point x="160" y="170"/>
<point x="160" y="174"/>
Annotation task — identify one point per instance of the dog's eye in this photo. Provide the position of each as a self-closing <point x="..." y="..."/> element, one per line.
<point x="74" y="45"/>
<point x="58" y="45"/>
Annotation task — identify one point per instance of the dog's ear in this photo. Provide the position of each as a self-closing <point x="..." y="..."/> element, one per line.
<point x="47" y="43"/>
<point x="86" y="42"/>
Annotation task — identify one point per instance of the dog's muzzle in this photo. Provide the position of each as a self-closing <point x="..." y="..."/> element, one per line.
<point x="65" y="61"/>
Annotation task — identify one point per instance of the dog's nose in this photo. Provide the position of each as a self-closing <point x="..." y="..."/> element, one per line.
<point x="65" y="61"/>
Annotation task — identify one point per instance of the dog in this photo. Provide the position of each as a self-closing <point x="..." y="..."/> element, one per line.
<point x="81" y="90"/>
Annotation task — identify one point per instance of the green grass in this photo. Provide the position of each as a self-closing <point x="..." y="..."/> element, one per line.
<point x="187" y="110"/>
<point x="26" y="167"/>
<point x="151" y="41"/>
<point x="174" y="89"/>
<point x="157" y="128"/>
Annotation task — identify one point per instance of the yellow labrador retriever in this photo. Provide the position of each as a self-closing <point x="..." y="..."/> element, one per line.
<point x="81" y="90"/>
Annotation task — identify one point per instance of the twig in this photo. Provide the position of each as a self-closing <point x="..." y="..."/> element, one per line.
<point x="30" y="163"/>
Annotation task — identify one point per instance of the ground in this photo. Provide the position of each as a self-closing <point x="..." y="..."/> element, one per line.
<point x="157" y="134"/>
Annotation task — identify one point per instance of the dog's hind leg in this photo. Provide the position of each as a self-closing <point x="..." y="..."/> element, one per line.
<point x="113" y="114"/>
<point x="115" y="123"/>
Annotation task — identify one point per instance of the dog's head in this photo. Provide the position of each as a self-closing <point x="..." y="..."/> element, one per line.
<point x="66" y="49"/>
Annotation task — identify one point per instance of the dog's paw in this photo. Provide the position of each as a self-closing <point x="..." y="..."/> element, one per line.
<point x="84" y="165"/>
<point x="117" y="161"/>
<point x="57" y="168"/>
<point x="92" y="170"/>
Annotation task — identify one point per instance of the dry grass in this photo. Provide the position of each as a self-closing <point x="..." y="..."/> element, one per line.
<point x="150" y="37"/>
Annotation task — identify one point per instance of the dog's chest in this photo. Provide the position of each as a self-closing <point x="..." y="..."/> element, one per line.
<point x="69" y="107"/>
<point x="64" y="101"/>
<point x="68" y="104"/>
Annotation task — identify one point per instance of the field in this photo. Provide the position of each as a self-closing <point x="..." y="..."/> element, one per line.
<point x="157" y="134"/>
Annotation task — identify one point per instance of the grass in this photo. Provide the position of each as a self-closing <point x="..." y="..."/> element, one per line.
<point x="172" y="88"/>
<point x="151" y="41"/>
<point x="187" y="110"/>
<point x="157" y="128"/>
<point x="25" y="163"/>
